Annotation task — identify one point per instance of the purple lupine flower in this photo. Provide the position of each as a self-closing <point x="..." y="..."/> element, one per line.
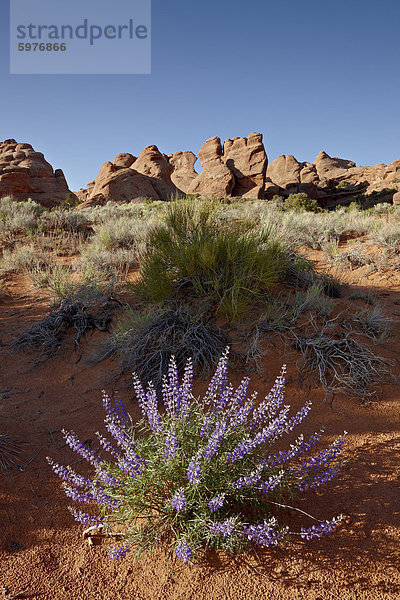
<point x="194" y="470"/>
<point x="140" y="394"/>
<point x="215" y="439"/>
<point x="296" y="450"/>
<point x="132" y="467"/>
<point x="183" y="551"/>
<point x="107" y="445"/>
<point x="272" y="401"/>
<point x="76" y="494"/>
<point x="77" y="446"/>
<point x="186" y="388"/>
<point x="239" y="396"/>
<point x="319" y="469"/>
<point x="274" y="430"/>
<point x="265" y="533"/>
<point x="225" y="528"/>
<point x="216" y="503"/>
<point x="101" y="497"/>
<point x="219" y="380"/>
<point x="170" y="445"/>
<point x="121" y="437"/>
<point x="222" y="400"/>
<point x="85" y="518"/>
<point x="316" y="531"/>
<point x="239" y="414"/>
<point x="107" y="478"/>
<point x="152" y="408"/>
<point x="121" y="412"/>
<point x="118" y="413"/>
<point x="249" y="480"/>
<point x="116" y="552"/>
<point x="298" y="417"/>
<point x="272" y="482"/>
<point x="179" y="500"/>
<point x="69" y="475"/>
<point x="171" y="390"/>
<point x="240" y="450"/>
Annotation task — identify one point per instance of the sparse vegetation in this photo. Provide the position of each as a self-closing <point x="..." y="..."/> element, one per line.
<point x="233" y="265"/>
<point x="202" y="475"/>
<point x="145" y="342"/>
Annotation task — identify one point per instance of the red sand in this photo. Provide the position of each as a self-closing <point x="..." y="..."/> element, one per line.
<point x="43" y="554"/>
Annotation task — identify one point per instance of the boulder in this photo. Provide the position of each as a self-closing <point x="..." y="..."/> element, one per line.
<point x="124" y="159"/>
<point x="396" y="198"/>
<point x="119" y="184"/>
<point x="247" y="159"/>
<point x="329" y="168"/>
<point x="216" y="179"/>
<point x="25" y="174"/>
<point x="183" y="172"/>
<point x="156" y="167"/>
<point x="284" y="171"/>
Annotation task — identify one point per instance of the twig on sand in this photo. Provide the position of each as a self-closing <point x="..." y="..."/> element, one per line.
<point x="14" y="596"/>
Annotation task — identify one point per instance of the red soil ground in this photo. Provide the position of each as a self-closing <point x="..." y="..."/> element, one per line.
<point x="43" y="555"/>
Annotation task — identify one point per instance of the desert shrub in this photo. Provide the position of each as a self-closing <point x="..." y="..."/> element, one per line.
<point x="19" y="215"/>
<point x="116" y="244"/>
<point x="330" y="285"/>
<point x="59" y="279"/>
<point x="313" y="299"/>
<point x="367" y="296"/>
<point x="301" y="203"/>
<point x="19" y="258"/>
<point x="65" y="219"/>
<point x="145" y="341"/>
<point x="387" y="234"/>
<point x="340" y="363"/>
<point x="88" y="307"/>
<point x="234" y="265"/>
<point x="202" y="475"/>
<point x="374" y="322"/>
<point x="300" y="272"/>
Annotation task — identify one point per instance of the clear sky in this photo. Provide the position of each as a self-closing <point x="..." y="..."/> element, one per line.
<point x="309" y="75"/>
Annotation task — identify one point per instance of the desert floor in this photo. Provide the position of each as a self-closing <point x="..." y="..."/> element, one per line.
<point x="44" y="556"/>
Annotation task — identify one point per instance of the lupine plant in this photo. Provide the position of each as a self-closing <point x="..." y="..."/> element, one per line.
<point x="199" y="474"/>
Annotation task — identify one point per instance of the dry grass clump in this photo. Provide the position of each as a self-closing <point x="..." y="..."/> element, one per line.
<point x="19" y="215"/>
<point x="88" y="308"/>
<point x="374" y="323"/>
<point x="340" y="364"/>
<point x="146" y="342"/>
<point x="19" y="258"/>
<point x="9" y="452"/>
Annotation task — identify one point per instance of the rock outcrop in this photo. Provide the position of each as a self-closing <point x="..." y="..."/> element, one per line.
<point x="216" y="179"/>
<point x="183" y="171"/>
<point x="130" y="179"/>
<point x="238" y="168"/>
<point x="25" y="174"/>
<point x="248" y="161"/>
<point x="292" y="176"/>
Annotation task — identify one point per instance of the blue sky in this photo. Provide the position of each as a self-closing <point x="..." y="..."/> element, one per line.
<point x="309" y="75"/>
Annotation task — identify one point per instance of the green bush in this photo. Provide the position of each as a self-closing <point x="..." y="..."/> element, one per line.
<point x="301" y="203"/>
<point x="231" y="263"/>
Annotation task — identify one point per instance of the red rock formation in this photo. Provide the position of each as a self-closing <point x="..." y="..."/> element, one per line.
<point x="183" y="172"/>
<point x="247" y="159"/>
<point x="216" y="179"/>
<point x="25" y="174"/>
